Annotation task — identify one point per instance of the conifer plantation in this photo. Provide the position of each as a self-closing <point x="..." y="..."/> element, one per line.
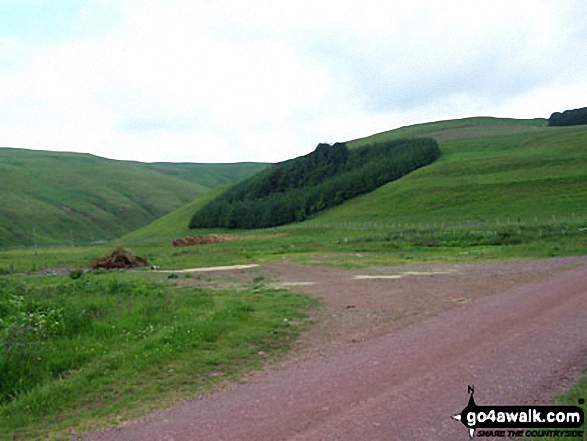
<point x="573" y="117"/>
<point x="294" y="190"/>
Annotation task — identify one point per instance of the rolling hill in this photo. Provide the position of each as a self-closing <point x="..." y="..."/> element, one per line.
<point x="52" y="198"/>
<point x="172" y="225"/>
<point x="490" y="170"/>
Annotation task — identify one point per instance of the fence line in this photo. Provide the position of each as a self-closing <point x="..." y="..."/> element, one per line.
<point x="570" y="223"/>
<point x="435" y="226"/>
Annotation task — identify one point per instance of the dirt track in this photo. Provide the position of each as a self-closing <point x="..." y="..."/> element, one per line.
<point x="391" y="357"/>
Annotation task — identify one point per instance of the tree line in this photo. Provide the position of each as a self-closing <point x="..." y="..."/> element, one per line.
<point x="569" y="117"/>
<point x="294" y="190"/>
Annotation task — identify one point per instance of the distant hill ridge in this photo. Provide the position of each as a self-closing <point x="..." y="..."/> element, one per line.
<point x="55" y="198"/>
<point x="494" y="170"/>
<point x="491" y="170"/>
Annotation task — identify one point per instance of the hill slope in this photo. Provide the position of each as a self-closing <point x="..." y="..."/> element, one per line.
<point x="172" y="225"/>
<point x="490" y="169"/>
<point x="58" y="198"/>
<point x="208" y="175"/>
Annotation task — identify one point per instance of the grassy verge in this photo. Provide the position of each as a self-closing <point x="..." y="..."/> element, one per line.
<point x="576" y="396"/>
<point x="80" y="354"/>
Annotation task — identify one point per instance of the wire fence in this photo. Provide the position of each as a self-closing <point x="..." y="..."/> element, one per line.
<point x="571" y="223"/>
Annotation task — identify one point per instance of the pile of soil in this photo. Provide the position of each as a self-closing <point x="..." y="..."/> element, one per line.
<point x="203" y="240"/>
<point x="121" y="258"/>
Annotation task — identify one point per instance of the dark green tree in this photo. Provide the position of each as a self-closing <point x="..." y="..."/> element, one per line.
<point x="299" y="188"/>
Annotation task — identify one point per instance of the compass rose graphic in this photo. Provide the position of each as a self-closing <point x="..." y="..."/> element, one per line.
<point x="471" y="406"/>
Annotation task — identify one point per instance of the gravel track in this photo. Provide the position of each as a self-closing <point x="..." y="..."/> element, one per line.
<point x="521" y="340"/>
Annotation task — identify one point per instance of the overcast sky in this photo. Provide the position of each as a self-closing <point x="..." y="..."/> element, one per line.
<point x="228" y="81"/>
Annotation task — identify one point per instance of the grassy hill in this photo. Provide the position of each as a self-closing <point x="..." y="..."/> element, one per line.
<point x="172" y="225"/>
<point x="490" y="170"/>
<point x="475" y="127"/>
<point x="56" y="198"/>
<point x="208" y="175"/>
<point x="501" y="188"/>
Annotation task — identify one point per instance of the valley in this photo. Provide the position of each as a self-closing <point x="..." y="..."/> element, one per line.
<point x="496" y="227"/>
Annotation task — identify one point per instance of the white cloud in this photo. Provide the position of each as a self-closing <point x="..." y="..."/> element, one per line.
<point x="227" y="81"/>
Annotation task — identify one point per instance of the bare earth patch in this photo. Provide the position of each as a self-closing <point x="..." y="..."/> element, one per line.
<point x="366" y="303"/>
<point x="390" y="358"/>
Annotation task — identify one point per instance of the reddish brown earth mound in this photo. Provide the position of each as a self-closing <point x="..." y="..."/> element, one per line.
<point x="121" y="258"/>
<point x="203" y="240"/>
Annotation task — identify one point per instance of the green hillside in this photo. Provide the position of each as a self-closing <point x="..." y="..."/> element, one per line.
<point x="208" y="175"/>
<point x="490" y="170"/>
<point x="52" y="198"/>
<point x="475" y="127"/>
<point x="171" y="226"/>
<point x="501" y="189"/>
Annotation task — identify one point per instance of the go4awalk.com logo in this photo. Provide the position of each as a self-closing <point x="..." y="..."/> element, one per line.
<point x="521" y="421"/>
